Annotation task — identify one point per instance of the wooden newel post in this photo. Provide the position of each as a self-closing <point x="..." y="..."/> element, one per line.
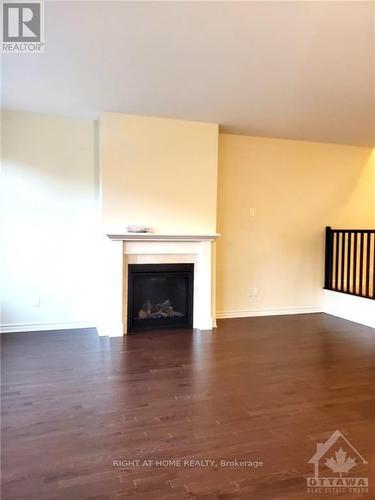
<point x="328" y="259"/>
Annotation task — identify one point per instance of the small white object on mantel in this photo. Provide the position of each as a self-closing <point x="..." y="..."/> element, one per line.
<point x="134" y="228"/>
<point x="155" y="248"/>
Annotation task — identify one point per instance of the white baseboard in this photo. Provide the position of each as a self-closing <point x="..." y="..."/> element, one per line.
<point x="267" y="312"/>
<point x="110" y="329"/>
<point x="41" y="327"/>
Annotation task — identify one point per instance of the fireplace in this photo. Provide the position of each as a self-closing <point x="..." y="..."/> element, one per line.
<point x="126" y="250"/>
<point x="160" y="296"/>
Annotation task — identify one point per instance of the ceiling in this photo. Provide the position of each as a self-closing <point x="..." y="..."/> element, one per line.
<point x="298" y="70"/>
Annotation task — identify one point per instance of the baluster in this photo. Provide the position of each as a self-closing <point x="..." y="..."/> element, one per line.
<point x="360" y="292"/>
<point x="348" y="288"/>
<point x="355" y="264"/>
<point x="368" y="264"/>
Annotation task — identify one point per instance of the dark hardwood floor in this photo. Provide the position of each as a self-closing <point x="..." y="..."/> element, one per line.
<point x="260" y="389"/>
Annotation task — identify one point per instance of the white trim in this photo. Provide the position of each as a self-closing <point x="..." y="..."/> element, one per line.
<point x="162" y="237"/>
<point x="41" y="327"/>
<point x="110" y="330"/>
<point x="357" y="309"/>
<point x="267" y="312"/>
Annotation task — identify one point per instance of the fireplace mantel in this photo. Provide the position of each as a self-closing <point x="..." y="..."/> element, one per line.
<point x="162" y="237"/>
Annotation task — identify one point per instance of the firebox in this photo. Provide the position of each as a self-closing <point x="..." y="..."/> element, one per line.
<point x="160" y="296"/>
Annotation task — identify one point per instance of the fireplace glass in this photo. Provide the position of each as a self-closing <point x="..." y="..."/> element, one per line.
<point x="160" y="296"/>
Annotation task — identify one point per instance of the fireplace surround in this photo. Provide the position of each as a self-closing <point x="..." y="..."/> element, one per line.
<point x="119" y="251"/>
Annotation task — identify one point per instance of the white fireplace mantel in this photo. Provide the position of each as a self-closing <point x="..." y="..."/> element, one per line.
<point x="162" y="237"/>
<point x="151" y="248"/>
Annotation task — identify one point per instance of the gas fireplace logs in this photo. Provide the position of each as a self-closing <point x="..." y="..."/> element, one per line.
<point x="163" y="310"/>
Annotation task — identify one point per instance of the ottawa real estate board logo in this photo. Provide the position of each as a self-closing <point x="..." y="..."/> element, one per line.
<point x="333" y="463"/>
<point x="23" y="27"/>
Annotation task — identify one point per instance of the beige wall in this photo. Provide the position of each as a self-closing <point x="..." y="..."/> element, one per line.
<point x="295" y="189"/>
<point x="158" y="172"/>
<point x="50" y="206"/>
<point x="49" y="200"/>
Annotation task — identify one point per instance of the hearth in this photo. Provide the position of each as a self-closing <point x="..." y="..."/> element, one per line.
<point x="160" y="296"/>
